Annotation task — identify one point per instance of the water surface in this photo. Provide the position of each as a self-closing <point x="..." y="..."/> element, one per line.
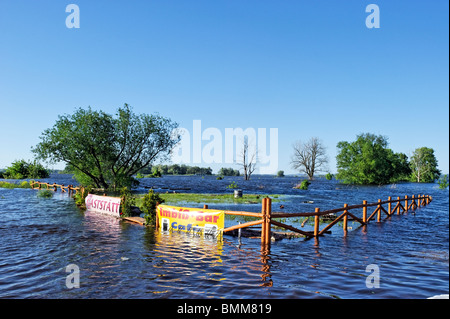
<point x="40" y="237"/>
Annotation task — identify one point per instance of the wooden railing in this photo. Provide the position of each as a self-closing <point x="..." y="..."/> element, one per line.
<point x="266" y="217"/>
<point x="70" y="189"/>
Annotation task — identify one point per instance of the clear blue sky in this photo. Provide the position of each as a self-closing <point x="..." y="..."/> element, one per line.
<point x="308" y="68"/>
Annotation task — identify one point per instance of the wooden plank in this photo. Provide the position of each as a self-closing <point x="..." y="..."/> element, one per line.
<point x="256" y="222"/>
<point x="137" y="220"/>
<point x="292" y="228"/>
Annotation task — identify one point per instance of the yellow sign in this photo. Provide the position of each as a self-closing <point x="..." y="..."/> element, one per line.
<point x="207" y="222"/>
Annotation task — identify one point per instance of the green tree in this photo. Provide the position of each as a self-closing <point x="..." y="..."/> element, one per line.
<point x="424" y="166"/>
<point x="17" y="170"/>
<point x="368" y="160"/>
<point x="106" y="151"/>
<point x="23" y="169"/>
<point x="228" y="172"/>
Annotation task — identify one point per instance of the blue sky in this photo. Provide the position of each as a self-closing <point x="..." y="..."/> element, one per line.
<point x="308" y="68"/>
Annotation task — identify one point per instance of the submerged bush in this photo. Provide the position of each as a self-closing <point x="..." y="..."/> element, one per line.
<point x="443" y="181"/>
<point x="80" y="198"/>
<point x="127" y="202"/>
<point x="149" y="203"/>
<point x="303" y="185"/>
<point x="45" y="193"/>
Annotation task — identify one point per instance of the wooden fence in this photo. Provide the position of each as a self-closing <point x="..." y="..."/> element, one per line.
<point x="266" y="217"/>
<point x="70" y="189"/>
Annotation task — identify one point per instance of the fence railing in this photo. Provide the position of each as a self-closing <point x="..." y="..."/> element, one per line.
<point x="266" y="217"/>
<point x="70" y="189"/>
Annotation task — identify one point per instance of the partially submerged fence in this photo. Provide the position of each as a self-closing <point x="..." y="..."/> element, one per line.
<point x="266" y="217"/>
<point x="70" y="189"/>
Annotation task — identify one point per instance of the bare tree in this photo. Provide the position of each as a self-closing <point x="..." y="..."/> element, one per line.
<point x="248" y="159"/>
<point x="309" y="157"/>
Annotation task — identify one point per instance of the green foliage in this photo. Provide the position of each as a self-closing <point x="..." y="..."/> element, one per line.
<point x="228" y="172"/>
<point x="233" y="185"/>
<point x="303" y="185"/>
<point x="443" y="181"/>
<point x="128" y="200"/>
<point x="23" y="169"/>
<point x="105" y="151"/>
<point x="23" y="184"/>
<point x="80" y="198"/>
<point x="329" y="176"/>
<point x="280" y="174"/>
<point x="369" y="161"/>
<point x="155" y="173"/>
<point x="424" y="166"/>
<point x="45" y="193"/>
<point x="148" y="207"/>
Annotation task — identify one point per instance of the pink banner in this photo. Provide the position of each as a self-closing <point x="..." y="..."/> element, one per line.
<point x="103" y="204"/>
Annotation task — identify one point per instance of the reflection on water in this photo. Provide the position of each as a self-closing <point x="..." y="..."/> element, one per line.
<point x="40" y="237"/>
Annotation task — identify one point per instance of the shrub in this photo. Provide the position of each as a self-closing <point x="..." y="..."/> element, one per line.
<point x="329" y="176"/>
<point x="303" y="185"/>
<point x="45" y="193"/>
<point x="443" y="181"/>
<point x="128" y="201"/>
<point x="25" y="184"/>
<point x="149" y="203"/>
<point x="280" y="174"/>
<point x="233" y="185"/>
<point x="80" y="197"/>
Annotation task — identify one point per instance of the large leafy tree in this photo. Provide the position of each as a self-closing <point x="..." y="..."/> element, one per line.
<point x="424" y="166"/>
<point x="103" y="150"/>
<point x="368" y="160"/>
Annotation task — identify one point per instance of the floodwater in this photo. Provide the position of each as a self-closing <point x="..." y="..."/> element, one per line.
<point x="405" y="256"/>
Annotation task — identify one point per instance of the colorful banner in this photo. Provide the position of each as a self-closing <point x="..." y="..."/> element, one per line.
<point x="207" y="222"/>
<point x="103" y="204"/>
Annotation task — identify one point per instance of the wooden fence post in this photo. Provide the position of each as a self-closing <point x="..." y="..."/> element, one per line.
<point x="316" y="222"/>
<point x="379" y="211"/>
<point x="345" y="218"/>
<point x="365" y="211"/>
<point x="263" y="225"/>
<point x="398" y="207"/>
<point x="389" y="205"/>
<point x="406" y="202"/>
<point x="269" y="218"/>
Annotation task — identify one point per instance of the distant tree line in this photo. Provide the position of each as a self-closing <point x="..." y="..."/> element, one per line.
<point x="176" y="169"/>
<point x="367" y="161"/>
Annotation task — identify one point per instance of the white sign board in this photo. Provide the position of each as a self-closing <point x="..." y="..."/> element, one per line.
<point x="103" y="204"/>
